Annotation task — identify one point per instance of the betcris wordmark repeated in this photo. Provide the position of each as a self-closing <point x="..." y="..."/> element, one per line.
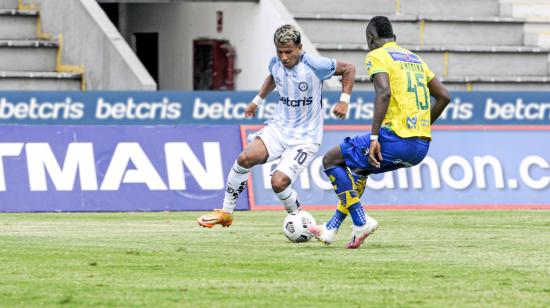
<point x="217" y="107"/>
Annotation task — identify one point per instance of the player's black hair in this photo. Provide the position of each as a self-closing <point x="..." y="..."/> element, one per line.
<point x="382" y="26"/>
<point x="287" y="33"/>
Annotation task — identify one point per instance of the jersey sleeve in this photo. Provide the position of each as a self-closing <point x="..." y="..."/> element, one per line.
<point x="375" y="64"/>
<point x="272" y="63"/>
<point x="429" y="74"/>
<point x="323" y="67"/>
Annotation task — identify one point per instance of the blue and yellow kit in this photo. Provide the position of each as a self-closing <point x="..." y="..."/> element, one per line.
<point x="409" y="110"/>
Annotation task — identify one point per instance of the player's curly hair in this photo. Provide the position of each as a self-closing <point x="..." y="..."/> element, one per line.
<point x="287" y="33"/>
<point x="382" y="26"/>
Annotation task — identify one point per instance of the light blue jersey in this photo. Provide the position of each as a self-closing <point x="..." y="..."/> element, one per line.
<point x="299" y="113"/>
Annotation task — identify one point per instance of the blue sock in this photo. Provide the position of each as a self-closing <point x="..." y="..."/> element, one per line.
<point x="336" y="221"/>
<point x="340" y="215"/>
<point x="358" y="214"/>
<point x="342" y="183"/>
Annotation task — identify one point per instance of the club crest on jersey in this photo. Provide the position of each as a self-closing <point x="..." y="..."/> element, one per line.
<point x="411" y="122"/>
<point x="303" y="86"/>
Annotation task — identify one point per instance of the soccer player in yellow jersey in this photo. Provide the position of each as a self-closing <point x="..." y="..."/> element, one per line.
<point x="400" y="134"/>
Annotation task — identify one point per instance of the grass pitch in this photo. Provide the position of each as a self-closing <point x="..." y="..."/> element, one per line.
<point x="416" y="258"/>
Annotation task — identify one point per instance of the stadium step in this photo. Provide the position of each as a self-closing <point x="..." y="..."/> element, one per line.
<point x="415" y="30"/>
<point x="406" y="7"/>
<point x="16" y="24"/>
<point x="539" y="9"/>
<point x="459" y="61"/>
<point x="10" y="80"/>
<point x="28" y="63"/>
<point x="31" y="55"/>
<point x="470" y="44"/>
<point x="8" y="4"/>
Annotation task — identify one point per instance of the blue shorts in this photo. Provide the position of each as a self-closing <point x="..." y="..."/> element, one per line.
<point x="397" y="152"/>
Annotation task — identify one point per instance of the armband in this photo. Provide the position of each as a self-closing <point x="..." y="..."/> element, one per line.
<point x="373" y="137"/>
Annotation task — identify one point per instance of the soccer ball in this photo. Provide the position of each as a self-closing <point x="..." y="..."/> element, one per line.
<point x="295" y="226"/>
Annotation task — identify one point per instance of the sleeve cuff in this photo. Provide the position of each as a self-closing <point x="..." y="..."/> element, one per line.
<point x="371" y="75"/>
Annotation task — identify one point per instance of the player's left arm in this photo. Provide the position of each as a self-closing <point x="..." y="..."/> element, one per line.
<point x="347" y="71"/>
<point x="442" y="98"/>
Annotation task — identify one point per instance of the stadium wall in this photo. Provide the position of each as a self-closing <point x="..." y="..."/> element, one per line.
<point x="151" y="151"/>
<point x="91" y="40"/>
<point x="178" y="24"/>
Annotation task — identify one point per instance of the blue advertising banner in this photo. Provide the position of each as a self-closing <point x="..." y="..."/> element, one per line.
<point x="116" y="168"/>
<point x="466" y="167"/>
<point x="217" y="107"/>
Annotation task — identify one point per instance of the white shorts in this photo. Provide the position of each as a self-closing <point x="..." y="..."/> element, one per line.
<point x="295" y="155"/>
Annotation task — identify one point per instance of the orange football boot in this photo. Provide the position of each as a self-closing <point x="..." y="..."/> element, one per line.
<point x="217" y="217"/>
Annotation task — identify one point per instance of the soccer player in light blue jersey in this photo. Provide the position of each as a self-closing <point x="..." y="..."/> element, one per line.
<point x="295" y="133"/>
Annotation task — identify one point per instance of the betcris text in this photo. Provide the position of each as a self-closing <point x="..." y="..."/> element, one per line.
<point x="296" y="102"/>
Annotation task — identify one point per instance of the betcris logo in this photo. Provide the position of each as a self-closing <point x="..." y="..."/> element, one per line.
<point x="115" y="168"/>
<point x="296" y="102"/>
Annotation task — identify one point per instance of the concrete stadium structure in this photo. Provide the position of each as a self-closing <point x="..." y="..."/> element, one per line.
<point x="65" y="45"/>
<point x="470" y="45"/>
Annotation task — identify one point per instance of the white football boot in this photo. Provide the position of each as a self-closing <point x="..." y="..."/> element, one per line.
<point x="323" y="234"/>
<point x="359" y="234"/>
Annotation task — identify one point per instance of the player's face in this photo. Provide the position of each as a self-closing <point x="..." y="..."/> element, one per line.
<point x="370" y="39"/>
<point x="288" y="53"/>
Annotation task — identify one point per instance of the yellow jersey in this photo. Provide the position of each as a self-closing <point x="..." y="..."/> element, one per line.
<point x="409" y="110"/>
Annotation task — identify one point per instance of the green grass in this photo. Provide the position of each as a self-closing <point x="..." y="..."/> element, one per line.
<point x="417" y="258"/>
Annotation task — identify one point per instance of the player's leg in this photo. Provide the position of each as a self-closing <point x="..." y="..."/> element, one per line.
<point x="359" y="184"/>
<point x="255" y="153"/>
<point x="345" y="186"/>
<point x="326" y="233"/>
<point x="342" y="180"/>
<point x="397" y="153"/>
<point x="280" y="183"/>
<point x="293" y="161"/>
<point x="349" y="154"/>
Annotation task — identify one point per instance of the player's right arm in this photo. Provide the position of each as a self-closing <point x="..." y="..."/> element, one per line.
<point x="442" y="98"/>
<point x="378" y="71"/>
<point x="267" y="87"/>
<point x="382" y="92"/>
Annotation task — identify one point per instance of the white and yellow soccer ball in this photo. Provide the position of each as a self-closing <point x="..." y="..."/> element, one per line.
<point x="295" y="226"/>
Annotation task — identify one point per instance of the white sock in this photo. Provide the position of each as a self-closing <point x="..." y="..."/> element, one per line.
<point x="289" y="197"/>
<point x="236" y="183"/>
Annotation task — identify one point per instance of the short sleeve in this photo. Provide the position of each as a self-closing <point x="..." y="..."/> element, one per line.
<point x="272" y="63"/>
<point x="375" y="64"/>
<point x="429" y="74"/>
<point x="323" y="67"/>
